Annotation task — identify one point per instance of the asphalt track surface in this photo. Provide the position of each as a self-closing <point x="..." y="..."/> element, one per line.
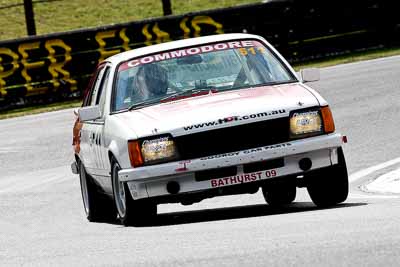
<point x="42" y="220"/>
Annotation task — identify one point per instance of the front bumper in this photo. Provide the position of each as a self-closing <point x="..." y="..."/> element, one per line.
<point x="151" y="181"/>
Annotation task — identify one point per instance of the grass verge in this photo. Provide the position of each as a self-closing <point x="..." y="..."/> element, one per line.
<point x="353" y="57"/>
<point x="39" y="109"/>
<point x="64" y="15"/>
<point x="349" y="58"/>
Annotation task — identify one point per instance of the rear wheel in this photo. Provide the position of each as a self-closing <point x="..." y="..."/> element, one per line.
<point x="98" y="207"/>
<point x="280" y="192"/>
<point x="329" y="186"/>
<point x="131" y="212"/>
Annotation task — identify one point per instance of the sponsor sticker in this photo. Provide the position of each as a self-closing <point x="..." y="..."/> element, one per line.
<point x="186" y="52"/>
<point x="243" y="178"/>
<point x="234" y="119"/>
<point x="247" y="151"/>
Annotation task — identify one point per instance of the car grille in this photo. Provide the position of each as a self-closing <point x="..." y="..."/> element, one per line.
<point x="231" y="139"/>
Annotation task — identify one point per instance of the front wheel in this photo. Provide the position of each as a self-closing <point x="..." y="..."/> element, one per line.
<point x="280" y="192"/>
<point x="329" y="186"/>
<point x="98" y="207"/>
<point x="130" y="211"/>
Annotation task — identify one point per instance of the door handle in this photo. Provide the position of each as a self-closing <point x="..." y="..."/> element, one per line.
<point x="91" y="138"/>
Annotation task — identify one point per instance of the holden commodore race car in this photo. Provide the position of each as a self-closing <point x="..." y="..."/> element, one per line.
<point x="192" y="119"/>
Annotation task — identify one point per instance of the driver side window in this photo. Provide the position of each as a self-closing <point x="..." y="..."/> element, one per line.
<point x="96" y="87"/>
<point x="101" y="95"/>
<point x="90" y="92"/>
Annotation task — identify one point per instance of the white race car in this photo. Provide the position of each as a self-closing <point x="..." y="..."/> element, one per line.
<point x="186" y="120"/>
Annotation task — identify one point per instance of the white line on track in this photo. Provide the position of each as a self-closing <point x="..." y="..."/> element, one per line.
<point x="386" y="183"/>
<point x="383" y="184"/>
<point x="362" y="173"/>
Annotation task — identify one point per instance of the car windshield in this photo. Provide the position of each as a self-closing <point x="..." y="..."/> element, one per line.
<point x="216" y="67"/>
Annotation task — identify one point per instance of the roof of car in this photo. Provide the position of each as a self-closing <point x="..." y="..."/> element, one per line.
<point x="178" y="44"/>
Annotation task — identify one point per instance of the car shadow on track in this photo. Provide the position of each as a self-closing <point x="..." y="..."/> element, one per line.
<point x="176" y="218"/>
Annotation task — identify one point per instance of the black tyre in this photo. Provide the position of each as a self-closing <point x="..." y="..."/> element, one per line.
<point x="280" y="192"/>
<point x="130" y="212"/>
<point x="329" y="186"/>
<point x="98" y="207"/>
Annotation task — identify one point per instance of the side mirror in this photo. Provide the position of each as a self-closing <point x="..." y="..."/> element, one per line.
<point x="309" y="75"/>
<point x="89" y="113"/>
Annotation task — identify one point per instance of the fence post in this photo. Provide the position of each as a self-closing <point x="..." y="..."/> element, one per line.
<point x="167" y="7"/>
<point x="29" y="17"/>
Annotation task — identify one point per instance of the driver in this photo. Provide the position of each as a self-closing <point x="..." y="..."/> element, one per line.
<point x="150" y="81"/>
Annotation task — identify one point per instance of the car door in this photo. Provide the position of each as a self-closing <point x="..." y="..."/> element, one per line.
<point x="87" y="133"/>
<point x="99" y="150"/>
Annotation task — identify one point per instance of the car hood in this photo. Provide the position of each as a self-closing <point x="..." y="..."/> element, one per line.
<point x="218" y="110"/>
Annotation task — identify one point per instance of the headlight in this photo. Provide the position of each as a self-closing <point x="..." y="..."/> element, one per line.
<point x="157" y="149"/>
<point x="150" y="151"/>
<point x="305" y="123"/>
<point x="311" y="122"/>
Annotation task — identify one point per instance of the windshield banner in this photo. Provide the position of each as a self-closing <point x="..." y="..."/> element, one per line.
<point x="186" y="52"/>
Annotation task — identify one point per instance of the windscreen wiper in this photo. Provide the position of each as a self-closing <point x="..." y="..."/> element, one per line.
<point x="188" y="93"/>
<point x="144" y="104"/>
<point x="174" y="95"/>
